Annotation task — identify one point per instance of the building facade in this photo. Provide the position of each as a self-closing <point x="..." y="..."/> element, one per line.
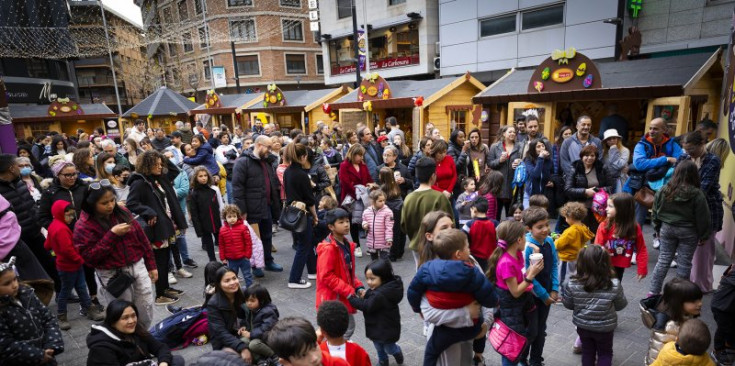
<point x="402" y="38"/>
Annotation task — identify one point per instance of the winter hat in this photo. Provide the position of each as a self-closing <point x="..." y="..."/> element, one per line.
<point x="59" y="165"/>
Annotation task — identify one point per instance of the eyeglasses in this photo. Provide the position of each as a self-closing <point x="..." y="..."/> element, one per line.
<point x="100" y="184"/>
<point x="69" y="175"/>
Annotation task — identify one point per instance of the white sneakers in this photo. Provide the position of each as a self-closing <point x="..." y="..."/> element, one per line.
<point x="358" y="252"/>
<point x="299" y="285"/>
<point x="311" y="276"/>
<point x="656" y="242"/>
<point x="184" y="273"/>
<point x="633" y="259"/>
<point x="172" y="279"/>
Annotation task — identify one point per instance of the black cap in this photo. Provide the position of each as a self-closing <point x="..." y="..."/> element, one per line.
<point x="333" y="215"/>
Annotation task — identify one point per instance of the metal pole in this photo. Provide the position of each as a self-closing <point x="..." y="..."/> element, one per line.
<point x="234" y="63"/>
<point x="357" y="47"/>
<point x="206" y="40"/>
<point x="112" y="64"/>
<point x="367" y="37"/>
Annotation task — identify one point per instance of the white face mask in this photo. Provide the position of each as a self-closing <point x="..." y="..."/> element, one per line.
<point x="109" y="168"/>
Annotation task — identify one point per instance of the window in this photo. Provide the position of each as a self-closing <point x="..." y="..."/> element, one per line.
<point x="172" y="49"/>
<point x="319" y="64"/>
<point x="543" y="17"/>
<point x="188" y="47"/>
<point x="248" y="65"/>
<point x="239" y="2"/>
<point x="292" y="30"/>
<point x="500" y="25"/>
<point x="199" y="6"/>
<point x="37" y="68"/>
<point x="459" y="120"/>
<point x="291" y="3"/>
<point x="243" y="30"/>
<point x="167" y="15"/>
<point x="295" y="64"/>
<point x="207" y="70"/>
<point x="396" y="2"/>
<point x="183" y="10"/>
<point x="203" y="37"/>
<point x="344" y="9"/>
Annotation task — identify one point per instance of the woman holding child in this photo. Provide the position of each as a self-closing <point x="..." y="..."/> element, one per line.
<point x="588" y="178"/>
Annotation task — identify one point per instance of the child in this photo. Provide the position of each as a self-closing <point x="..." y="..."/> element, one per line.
<point x="333" y="321"/>
<point x="464" y="201"/>
<point x="335" y="274"/>
<point x="690" y="348"/>
<point x="515" y="303"/>
<point x="571" y="241"/>
<point x="538" y="200"/>
<point x="450" y="282"/>
<point x="490" y="188"/>
<point x="481" y="233"/>
<point x="34" y="337"/>
<point x="69" y="264"/>
<point x="664" y="314"/>
<point x="295" y="342"/>
<point x="260" y="317"/>
<point x="546" y="283"/>
<point x="723" y="309"/>
<point x="204" y="209"/>
<point x="377" y="220"/>
<point x="517" y="210"/>
<point x="236" y="244"/>
<point x="380" y="308"/>
<point x="621" y="235"/>
<point x="595" y="297"/>
<point x="394" y="200"/>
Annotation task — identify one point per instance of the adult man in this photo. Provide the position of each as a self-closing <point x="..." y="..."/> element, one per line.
<point x="160" y="142"/>
<point x="616" y="121"/>
<point x="185" y="130"/>
<point x="268" y="129"/>
<point x="175" y="148"/>
<point x="109" y="147"/>
<point x="533" y="132"/>
<point x="521" y="134"/>
<point x="571" y="147"/>
<point x="256" y="191"/>
<point x="706" y="126"/>
<point x="427" y="129"/>
<point x="257" y="128"/>
<point x="237" y="137"/>
<point x="372" y="157"/>
<point x="138" y="131"/>
<point x="394" y="129"/>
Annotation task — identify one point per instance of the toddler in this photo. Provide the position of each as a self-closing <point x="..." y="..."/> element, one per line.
<point x="571" y="241"/>
<point x="235" y="243"/>
<point x="690" y="348"/>
<point x="481" y="233"/>
<point x="377" y="220"/>
<point x="260" y="317"/>
<point x="464" y="201"/>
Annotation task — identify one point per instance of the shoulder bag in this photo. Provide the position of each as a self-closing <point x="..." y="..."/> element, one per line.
<point x="644" y="196"/>
<point x="121" y="281"/>
<point x="506" y="341"/>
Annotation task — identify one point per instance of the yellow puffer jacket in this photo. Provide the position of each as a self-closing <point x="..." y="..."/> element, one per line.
<point x="669" y="356"/>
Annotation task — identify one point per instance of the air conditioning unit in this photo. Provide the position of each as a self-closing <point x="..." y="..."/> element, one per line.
<point x="437" y="48"/>
<point x="437" y="64"/>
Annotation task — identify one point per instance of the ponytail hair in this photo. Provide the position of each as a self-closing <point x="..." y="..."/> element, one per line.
<point x="509" y="232"/>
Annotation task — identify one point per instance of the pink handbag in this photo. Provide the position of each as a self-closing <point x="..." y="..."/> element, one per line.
<point x="506" y="341"/>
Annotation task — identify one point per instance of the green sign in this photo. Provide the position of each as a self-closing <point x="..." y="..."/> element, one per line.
<point x="634" y="7"/>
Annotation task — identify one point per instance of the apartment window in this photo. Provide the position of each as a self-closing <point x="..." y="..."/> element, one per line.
<point x="239" y="2"/>
<point x="248" y="65"/>
<point x="167" y="16"/>
<point x="172" y="49"/>
<point x="188" y="47"/>
<point x="319" y="64"/>
<point x="295" y="64"/>
<point x="396" y="2"/>
<point x="199" y="6"/>
<point x="207" y="70"/>
<point x="183" y="10"/>
<point x="203" y="37"/>
<point x="344" y="9"/>
<point x="543" y="17"/>
<point x="37" y="68"/>
<point x="292" y="30"/>
<point x="291" y="3"/>
<point x="243" y="30"/>
<point x="499" y="25"/>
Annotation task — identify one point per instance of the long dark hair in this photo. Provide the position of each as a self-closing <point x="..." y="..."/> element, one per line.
<point x="114" y="312"/>
<point x="594" y="269"/>
<point x="388" y="183"/>
<point x="55" y="140"/>
<point x="624" y="221"/>
<point x="676" y="293"/>
<point x="560" y="136"/>
<point x="492" y="183"/>
<point x="686" y="176"/>
<point x="532" y="154"/>
<point x="239" y="296"/>
<point x="89" y="204"/>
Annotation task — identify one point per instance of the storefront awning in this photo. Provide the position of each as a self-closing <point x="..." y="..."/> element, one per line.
<point x="636" y="79"/>
<point x="297" y="101"/>
<point x="163" y="102"/>
<point x="229" y="104"/>
<point x="39" y="113"/>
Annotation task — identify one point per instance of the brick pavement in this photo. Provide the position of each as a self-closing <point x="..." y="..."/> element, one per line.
<point x="631" y="337"/>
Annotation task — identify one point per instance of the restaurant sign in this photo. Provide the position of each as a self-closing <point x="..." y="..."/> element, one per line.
<point x="380" y="64"/>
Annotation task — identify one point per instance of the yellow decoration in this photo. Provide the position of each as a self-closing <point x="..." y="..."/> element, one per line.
<point x="582" y="69"/>
<point x="273" y="99"/>
<point x="368" y="106"/>
<point x="372" y="91"/>
<point x="261" y="116"/>
<point x="562" y="75"/>
<point x="563" y="56"/>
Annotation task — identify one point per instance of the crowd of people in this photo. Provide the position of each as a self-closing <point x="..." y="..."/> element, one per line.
<point x="102" y="222"/>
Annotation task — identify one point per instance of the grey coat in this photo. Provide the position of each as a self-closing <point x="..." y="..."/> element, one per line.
<point x="505" y="167"/>
<point x="594" y="311"/>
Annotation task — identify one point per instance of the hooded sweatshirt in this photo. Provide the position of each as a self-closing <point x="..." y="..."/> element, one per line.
<point x="688" y="208"/>
<point x="670" y="356"/>
<point x="59" y="240"/>
<point x="571" y="241"/>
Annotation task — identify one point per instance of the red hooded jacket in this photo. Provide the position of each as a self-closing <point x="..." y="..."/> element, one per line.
<point x="334" y="280"/>
<point x="235" y="241"/>
<point x="60" y="240"/>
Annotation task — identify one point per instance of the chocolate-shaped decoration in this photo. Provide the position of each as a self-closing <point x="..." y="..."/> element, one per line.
<point x="64" y="107"/>
<point x="274" y="96"/>
<point x="373" y="87"/>
<point x="574" y="73"/>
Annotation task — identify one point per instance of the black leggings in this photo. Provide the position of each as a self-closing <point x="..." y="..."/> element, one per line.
<point x="355" y="234"/>
<point x="162" y="257"/>
<point x="91" y="281"/>
<point x="504" y="203"/>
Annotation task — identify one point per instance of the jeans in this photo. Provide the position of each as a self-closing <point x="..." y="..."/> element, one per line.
<point x="597" y="346"/>
<point x="228" y="188"/>
<point x="380" y="253"/>
<point x="305" y="255"/>
<point x="537" y="346"/>
<point x="176" y="256"/>
<point x="640" y="214"/>
<point x="242" y="264"/>
<point x="89" y="279"/>
<point x="183" y="247"/>
<point x="140" y="293"/>
<point x="265" y="226"/>
<point x="73" y="280"/>
<point x="675" y="240"/>
<point x="385" y="349"/>
<point x="208" y="244"/>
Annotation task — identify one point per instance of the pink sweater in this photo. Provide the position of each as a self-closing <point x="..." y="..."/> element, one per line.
<point x="380" y="227"/>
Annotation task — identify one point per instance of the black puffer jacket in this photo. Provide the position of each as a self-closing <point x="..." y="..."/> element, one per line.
<point x="109" y="348"/>
<point x="223" y="323"/>
<point x="56" y="192"/>
<point x="576" y="183"/>
<point x="260" y="322"/>
<point x="27" y="328"/>
<point x="16" y="192"/>
<point x="248" y="186"/>
<point x="380" y="308"/>
<point x="144" y="201"/>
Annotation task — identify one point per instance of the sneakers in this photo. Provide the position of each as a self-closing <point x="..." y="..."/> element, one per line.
<point x="721" y="358"/>
<point x="399" y="358"/>
<point x="477" y="361"/>
<point x="656" y="242"/>
<point x="184" y="273"/>
<point x="92" y="314"/>
<point x="673" y="264"/>
<point x="190" y="263"/>
<point x="257" y="272"/>
<point x="273" y="249"/>
<point x="273" y="267"/>
<point x="173" y="309"/>
<point x="577" y="350"/>
<point x="633" y="259"/>
<point x="166" y="300"/>
<point x="173" y="291"/>
<point x="172" y="279"/>
<point x="96" y="303"/>
<point x="358" y="252"/>
<point x="275" y="228"/>
<point x="385" y="362"/>
<point x="300" y="285"/>
<point x="63" y="323"/>
<point x="311" y="276"/>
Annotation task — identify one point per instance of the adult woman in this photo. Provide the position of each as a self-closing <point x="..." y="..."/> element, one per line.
<point x="66" y="185"/>
<point x="32" y="181"/>
<point x="25" y="151"/>
<point x="122" y="340"/>
<point x="152" y="196"/>
<point x="587" y="178"/>
<point x="187" y="151"/>
<point x="425" y="146"/>
<point x="350" y="139"/>
<point x="131" y="151"/>
<point x="298" y="187"/>
<point x="58" y="146"/>
<point x="84" y="160"/>
<point x="105" y="164"/>
<point x="436" y="134"/>
<point x="110" y="241"/>
<point x="226" y="155"/>
<point x="428" y="129"/>
<point x="615" y="159"/>
<point x="145" y="145"/>
<point x="538" y="169"/>
<point x="708" y="166"/>
<point x="224" y="308"/>
<point x="458" y="152"/>
<point x="352" y="172"/>
<point x="332" y="156"/>
<point x="505" y="156"/>
<point x="721" y="148"/>
<point x="446" y="170"/>
<point x="204" y="155"/>
<point x="478" y="156"/>
<point x="404" y="152"/>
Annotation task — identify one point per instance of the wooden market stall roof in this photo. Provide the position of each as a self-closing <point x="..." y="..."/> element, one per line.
<point x="635" y="79"/>
<point x="39" y="113"/>
<point x="230" y="104"/>
<point x="163" y="102"/>
<point x="403" y="92"/>
<point x="298" y="101"/>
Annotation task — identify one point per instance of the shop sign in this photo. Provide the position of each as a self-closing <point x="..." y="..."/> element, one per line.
<point x="220" y="79"/>
<point x="41" y="93"/>
<point x="381" y="64"/>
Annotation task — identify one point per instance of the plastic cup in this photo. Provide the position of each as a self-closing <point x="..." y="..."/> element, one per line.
<point x="535" y="258"/>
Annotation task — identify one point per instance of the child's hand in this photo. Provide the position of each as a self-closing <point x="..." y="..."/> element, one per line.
<point x="474" y="309"/>
<point x="319" y="335"/>
<point x="535" y="247"/>
<point x="224" y="261"/>
<point x="641" y="277"/>
<point x="549" y="301"/>
<point x="361" y="292"/>
<point x="365" y="225"/>
<point x="554" y="295"/>
<point x="534" y="269"/>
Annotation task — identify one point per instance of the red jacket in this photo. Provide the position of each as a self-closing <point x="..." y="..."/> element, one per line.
<point x="334" y="281"/>
<point x="59" y="240"/>
<point x="328" y="360"/>
<point x="235" y="241"/>
<point x="349" y="178"/>
<point x="618" y="248"/>
<point x="482" y="237"/>
<point x="356" y="355"/>
<point x="446" y="175"/>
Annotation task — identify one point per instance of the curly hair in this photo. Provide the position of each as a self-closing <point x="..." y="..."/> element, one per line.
<point x="231" y="210"/>
<point x="147" y="161"/>
<point x="573" y="210"/>
<point x="80" y="160"/>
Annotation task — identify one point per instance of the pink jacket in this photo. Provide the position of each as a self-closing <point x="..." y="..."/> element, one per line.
<point x="380" y="227"/>
<point x="279" y="173"/>
<point x="9" y="227"/>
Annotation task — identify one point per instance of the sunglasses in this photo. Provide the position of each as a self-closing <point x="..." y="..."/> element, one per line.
<point x="100" y="184"/>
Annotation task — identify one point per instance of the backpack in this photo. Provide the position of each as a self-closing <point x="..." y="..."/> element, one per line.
<point x="171" y="330"/>
<point x="519" y="177"/>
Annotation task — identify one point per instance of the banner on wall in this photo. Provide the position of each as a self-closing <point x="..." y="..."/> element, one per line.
<point x="220" y="79"/>
<point x="361" y="48"/>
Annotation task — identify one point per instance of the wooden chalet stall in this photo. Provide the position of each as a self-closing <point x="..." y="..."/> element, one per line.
<point x="682" y="89"/>
<point x="226" y="109"/>
<point x="160" y="110"/>
<point x="447" y="103"/>
<point x="63" y="115"/>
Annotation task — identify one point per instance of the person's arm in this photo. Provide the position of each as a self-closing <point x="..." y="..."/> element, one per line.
<point x="484" y="292"/>
<point x="217" y="329"/>
<point x="142" y="240"/>
<point x="92" y="248"/>
<point x="331" y="280"/>
<point x="219" y="154"/>
<point x="43" y="215"/>
<point x="160" y="350"/>
<point x="369" y="304"/>
<point x="538" y="290"/>
<point x="323" y="178"/>
<point x="52" y="338"/>
<point x="239" y="178"/>
<point x="103" y="356"/>
<point x="570" y="188"/>
<point x="197" y="159"/>
<point x="446" y="206"/>
<point x="565" y="159"/>
<point x="65" y="248"/>
<point x="416" y="290"/>
<point x="135" y="202"/>
<point x="269" y="320"/>
<point x="194" y="212"/>
<point x="461" y="201"/>
<point x="388" y="225"/>
<point x="567" y="239"/>
<point x="643" y="163"/>
<point x="620" y="301"/>
<point x="554" y="269"/>
<point x="710" y="174"/>
<point x="567" y="296"/>
<point x="493" y="158"/>
<point x="181" y="186"/>
<point x="222" y="245"/>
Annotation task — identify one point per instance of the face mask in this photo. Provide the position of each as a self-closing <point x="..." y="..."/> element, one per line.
<point x="109" y="168"/>
<point x="173" y="161"/>
<point x="125" y="180"/>
<point x="25" y="171"/>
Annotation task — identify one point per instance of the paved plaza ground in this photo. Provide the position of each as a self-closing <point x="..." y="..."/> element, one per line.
<point x="631" y="337"/>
